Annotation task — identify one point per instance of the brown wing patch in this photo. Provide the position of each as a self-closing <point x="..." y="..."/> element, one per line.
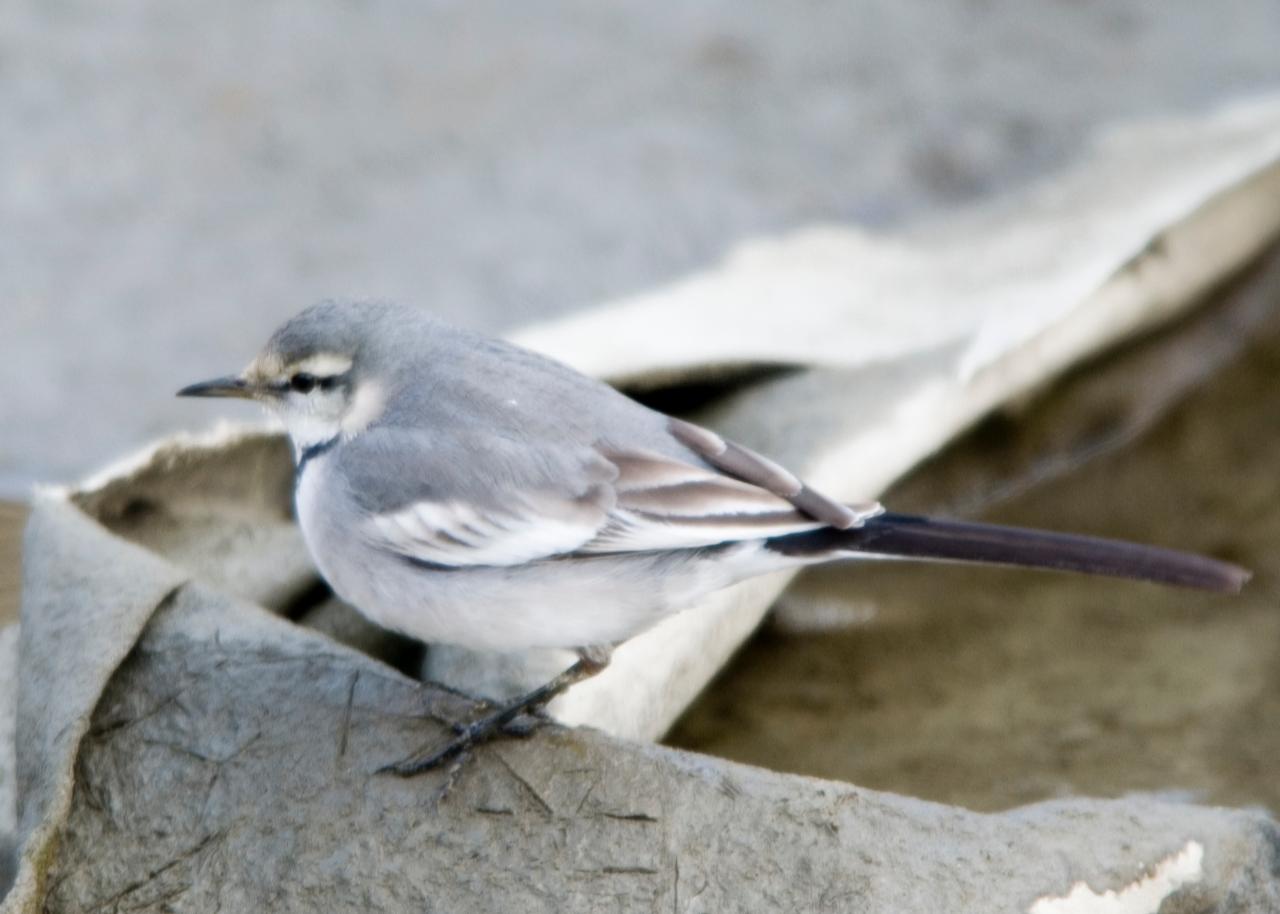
<point x="746" y="465"/>
<point x="664" y="503"/>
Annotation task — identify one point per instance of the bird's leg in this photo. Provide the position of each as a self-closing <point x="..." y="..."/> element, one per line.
<point x="591" y="660"/>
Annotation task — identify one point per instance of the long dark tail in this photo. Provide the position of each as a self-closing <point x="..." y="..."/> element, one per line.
<point x="907" y="536"/>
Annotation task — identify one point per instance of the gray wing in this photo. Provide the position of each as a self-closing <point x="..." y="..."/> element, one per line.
<point x="491" y="502"/>
<point x="475" y="497"/>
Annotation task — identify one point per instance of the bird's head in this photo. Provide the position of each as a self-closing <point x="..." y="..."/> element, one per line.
<point x="318" y="373"/>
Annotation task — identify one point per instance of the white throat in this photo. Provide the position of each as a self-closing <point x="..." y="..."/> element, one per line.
<point x="307" y="431"/>
<point x="313" y="427"/>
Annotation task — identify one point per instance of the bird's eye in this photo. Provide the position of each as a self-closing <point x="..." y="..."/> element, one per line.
<point x="303" y="382"/>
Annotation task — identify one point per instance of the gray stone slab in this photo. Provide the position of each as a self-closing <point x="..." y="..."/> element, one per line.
<point x="227" y="761"/>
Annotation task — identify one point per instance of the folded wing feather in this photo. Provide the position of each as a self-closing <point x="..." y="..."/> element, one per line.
<point x="653" y="502"/>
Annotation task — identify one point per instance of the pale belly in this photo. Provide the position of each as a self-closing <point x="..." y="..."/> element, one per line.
<point x="566" y="603"/>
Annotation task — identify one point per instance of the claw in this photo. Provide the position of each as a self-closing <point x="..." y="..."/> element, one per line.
<point x="417" y="764"/>
<point x="517" y="718"/>
<point x="524" y="725"/>
<point x="467" y="736"/>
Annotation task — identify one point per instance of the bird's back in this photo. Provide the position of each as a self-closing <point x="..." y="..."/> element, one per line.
<point x="462" y="380"/>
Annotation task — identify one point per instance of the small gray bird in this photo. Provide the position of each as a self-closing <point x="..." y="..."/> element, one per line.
<point x="460" y="489"/>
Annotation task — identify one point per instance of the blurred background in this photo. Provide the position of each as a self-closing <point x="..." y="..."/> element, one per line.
<point x="177" y="179"/>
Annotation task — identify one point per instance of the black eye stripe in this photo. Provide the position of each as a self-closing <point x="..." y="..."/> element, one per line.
<point x="304" y="382"/>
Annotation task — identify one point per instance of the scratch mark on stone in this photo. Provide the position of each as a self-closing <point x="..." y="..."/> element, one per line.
<point x="583" y="802"/>
<point x="182" y="750"/>
<point x="208" y="794"/>
<point x="114" y="900"/>
<point x="346" y="716"/>
<point x="111" y="726"/>
<point x="203" y="756"/>
<point x="494" y="811"/>
<point x="729" y="788"/>
<point x="546" y="807"/>
<point x="630" y="816"/>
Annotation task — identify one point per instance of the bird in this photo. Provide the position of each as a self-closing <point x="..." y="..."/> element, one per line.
<point x="460" y="489"/>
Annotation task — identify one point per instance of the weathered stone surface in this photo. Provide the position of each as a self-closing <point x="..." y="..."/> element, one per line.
<point x="225" y="758"/>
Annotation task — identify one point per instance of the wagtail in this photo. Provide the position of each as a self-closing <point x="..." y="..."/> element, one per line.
<point x="460" y="489"/>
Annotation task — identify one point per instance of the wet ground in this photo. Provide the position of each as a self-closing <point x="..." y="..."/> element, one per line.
<point x="992" y="688"/>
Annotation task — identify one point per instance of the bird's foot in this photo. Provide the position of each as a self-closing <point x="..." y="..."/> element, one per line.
<point x="510" y="721"/>
<point x="518" y="717"/>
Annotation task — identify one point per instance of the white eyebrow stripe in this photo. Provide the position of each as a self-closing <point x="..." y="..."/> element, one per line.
<point x="322" y="365"/>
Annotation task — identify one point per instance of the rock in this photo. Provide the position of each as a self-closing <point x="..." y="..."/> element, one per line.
<point x="226" y="758"/>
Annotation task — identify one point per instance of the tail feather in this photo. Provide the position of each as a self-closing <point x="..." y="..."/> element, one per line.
<point x="908" y="536"/>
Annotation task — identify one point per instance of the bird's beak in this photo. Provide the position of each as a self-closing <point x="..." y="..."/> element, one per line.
<point x="230" y="386"/>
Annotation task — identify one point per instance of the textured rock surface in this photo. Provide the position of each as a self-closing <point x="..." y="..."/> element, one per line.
<point x="230" y="761"/>
<point x="225" y="758"/>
